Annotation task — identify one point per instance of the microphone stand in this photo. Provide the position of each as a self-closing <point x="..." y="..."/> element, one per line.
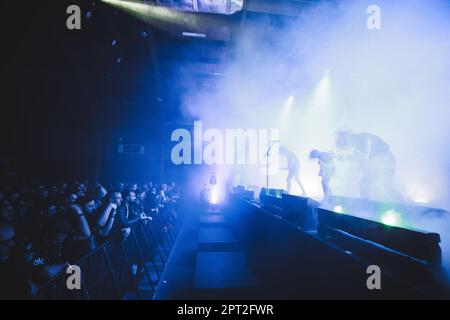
<point x="267" y="154"/>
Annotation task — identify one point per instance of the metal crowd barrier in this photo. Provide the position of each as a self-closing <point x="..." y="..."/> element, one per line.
<point x="115" y="268"/>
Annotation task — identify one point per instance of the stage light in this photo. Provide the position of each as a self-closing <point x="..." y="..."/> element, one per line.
<point x="215" y="195"/>
<point x="391" y="218"/>
<point x="214" y="199"/>
<point x="288" y="105"/>
<point x="338" y="209"/>
<point x="322" y="91"/>
<point x="158" y="15"/>
<point x="128" y="5"/>
<point x="193" y="34"/>
<point x="283" y="118"/>
<point x="418" y="193"/>
<point x="420" y="200"/>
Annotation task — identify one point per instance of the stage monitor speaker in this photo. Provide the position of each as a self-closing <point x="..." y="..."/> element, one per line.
<point x="278" y="193"/>
<point x="300" y="211"/>
<point x="419" y="244"/>
<point x="271" y="197"/>
<point x="243" y="193"/>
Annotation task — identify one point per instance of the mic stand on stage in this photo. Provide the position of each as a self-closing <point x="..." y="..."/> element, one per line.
<point x="267" y="154"/>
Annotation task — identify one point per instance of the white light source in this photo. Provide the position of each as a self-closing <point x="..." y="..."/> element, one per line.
<point x="283" y="118"/>
<point x="322" y="90"/>
<point x="418" y="192"/>
<point x="214" y="199"/>
<point x="288" y="106"/>
<point x="193" y="34"/>
<point x="391" y="218"/>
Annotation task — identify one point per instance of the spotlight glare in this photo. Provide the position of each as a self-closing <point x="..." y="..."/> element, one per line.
<point x="193" y="34"/>
<point x="391" y="218"/>
<point x="338" y="209"/>
<point x="419" y="193"/>
<point x="157" y="15"/>
<point x="213" y="197"/>
<point x="285" y="112"/>
<point x="322" y="90"/>
<point x="288" y="104"/>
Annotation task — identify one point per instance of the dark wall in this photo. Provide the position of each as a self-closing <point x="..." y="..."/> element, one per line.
<point x="70" y="95"/>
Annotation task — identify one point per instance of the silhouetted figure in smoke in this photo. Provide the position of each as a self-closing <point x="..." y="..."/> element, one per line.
<point x="374" y="158"/>
<point x="213" y="179"/>
<point x="205" y="195"/>
<point x="327" y="169"/>
<point x="293" y="167"/>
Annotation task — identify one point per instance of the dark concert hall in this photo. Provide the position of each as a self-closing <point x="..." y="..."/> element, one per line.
<point x="218" y="157"/>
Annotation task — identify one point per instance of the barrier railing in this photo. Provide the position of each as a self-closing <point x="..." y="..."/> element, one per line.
<point x="116" y="267"/>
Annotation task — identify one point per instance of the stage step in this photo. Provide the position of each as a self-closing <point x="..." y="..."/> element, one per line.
<point x="217" y="239"/>
<point x="212" y="220"/>
<point x="222" y="270"/>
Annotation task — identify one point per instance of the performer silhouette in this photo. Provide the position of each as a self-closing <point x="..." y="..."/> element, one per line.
<point x="293" y="167"/>
<point x="327" y="169"/>
<point x="374" y="158"/>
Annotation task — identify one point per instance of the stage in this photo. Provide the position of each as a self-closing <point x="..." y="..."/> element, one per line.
<point x="248" y="250"/>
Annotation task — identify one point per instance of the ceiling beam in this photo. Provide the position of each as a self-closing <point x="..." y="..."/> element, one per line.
<point x="286" y="8"/>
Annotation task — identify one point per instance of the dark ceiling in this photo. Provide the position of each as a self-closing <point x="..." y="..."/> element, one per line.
<point x="117" y="76"/>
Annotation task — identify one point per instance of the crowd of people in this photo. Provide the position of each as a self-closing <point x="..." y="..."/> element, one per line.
<point x="43" y="228"/>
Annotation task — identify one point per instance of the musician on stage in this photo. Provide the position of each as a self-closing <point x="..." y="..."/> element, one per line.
<point x="293" y="167"/>
<point x="374" y="158"/>
<point x="327" y="169"/>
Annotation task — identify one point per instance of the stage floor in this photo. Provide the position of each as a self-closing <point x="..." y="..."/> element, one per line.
<point x="207" y="262"/>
